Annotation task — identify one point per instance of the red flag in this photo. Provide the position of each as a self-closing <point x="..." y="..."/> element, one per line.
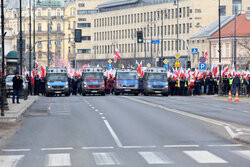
<point x="36" y="63"/>
<point x="42" y="71"/>
<point x="117" y="53"/>
<point x="139" y="72"/>
<point x="115" y="59"/>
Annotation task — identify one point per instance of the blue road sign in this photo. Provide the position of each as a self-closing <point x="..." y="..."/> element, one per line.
<point x="165" y="66"/>
<point x="109" y="66"/>
<point x="202" y="66"/>
<point x="194" y="51"/>
<point x="155" y="41"/>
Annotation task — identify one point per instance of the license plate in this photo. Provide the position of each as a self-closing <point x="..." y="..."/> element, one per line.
<point x="94" y="91"/>
<point x="127" y="90"/>
<point x="58" y="92"/>
<point x="157" y="91"/>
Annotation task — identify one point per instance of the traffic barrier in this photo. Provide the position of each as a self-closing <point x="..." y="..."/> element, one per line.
<point x="237" y="97"/>
<point x="230" y="96"/>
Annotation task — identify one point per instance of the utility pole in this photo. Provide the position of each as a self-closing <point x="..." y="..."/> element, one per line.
<point x="145" y="50"/>
<point x="30" y="38"/>
<point x="151" y="44"/>
<point x="34" y="35"/>
<point x="220" y="88"/>
<point x="235" y="40"/>
<point x="21" y="40"/>
<point x="48" y="44"/>
<point x="161" y="39"/>
<point x="177" y="33"/>
<point x="3" y="79"/>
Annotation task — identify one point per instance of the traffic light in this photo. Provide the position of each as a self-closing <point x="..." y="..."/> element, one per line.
<point x="78" y="35"/>
<point x="188" y="64"/>
<point x="139" y="37"/>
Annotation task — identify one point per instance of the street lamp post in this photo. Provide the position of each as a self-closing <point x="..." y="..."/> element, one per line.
<point x="220" y="88"/>
<point x="21" y="40"/>
<point x="176" y="2"/>
<point x="235" y="40"/>
<point x="161" y="61"/>
<point x="29" y="38"/>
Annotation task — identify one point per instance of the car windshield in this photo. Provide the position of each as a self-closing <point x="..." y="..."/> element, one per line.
<point x="157" y="76"/>
<point x="127" y="75"/>
<point x="57" y="77"/>
<point x="9" y="78"/>
<point x="93" y="76"/>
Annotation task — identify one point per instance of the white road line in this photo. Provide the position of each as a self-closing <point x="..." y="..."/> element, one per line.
<point x="100" y="113"/>
<point x="155" y="158"/>
<point x="96" y="110"/>
<point x="57" y="160"/>
<point x="15" y="150"/>
<point x="117" y="141"/>
<point x="103" y="118"/>
<point x="246" y="112"/>
<point x="96" y="148"/>
<point x="10" y="160"/>
<point x="244" y="153"/>
<point x="93" y="107"/>
<point x="56" y="149"/>
<point x="180" y="146"/>
<point x="106" y="159"/>
<point x="230" y="132"/>
<point x="90" y="105"/>
<point x="225" y="145"/>
<point x="139" y="147"/>
<point x="204" y="157"/>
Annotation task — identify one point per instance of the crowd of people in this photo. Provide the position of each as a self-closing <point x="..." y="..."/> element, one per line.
<point x="209" y="85"/>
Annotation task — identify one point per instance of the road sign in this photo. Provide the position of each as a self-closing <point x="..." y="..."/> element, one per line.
<point x="155" y="41"/>
<point x="202" y="66"/>
<point x="194" y="51"/>
<point x="52" y="60"/>
<point x="202" y="59"/>
<point x="165" y="66"/>
<point x="148" y="65"/>
<point x="110" y="61"/>
<point x="165" y="61"/>
<point x="109" y="66"/>
<point x="177" y="63"/>
<point x="177" y="56"/>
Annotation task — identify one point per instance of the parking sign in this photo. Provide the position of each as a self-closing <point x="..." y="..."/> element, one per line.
<point x="202" y="66"/>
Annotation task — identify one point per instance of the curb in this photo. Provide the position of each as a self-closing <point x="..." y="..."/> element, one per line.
<point x="19" y="114"/>
<point x="245" y="138"/>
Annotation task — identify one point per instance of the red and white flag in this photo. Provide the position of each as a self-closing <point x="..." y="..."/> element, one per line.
<point x="42" y="71"/>
<point x="117" y="53"/>
<point x="36" y="63"/>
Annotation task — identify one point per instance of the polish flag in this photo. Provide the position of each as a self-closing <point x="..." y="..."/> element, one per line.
<point x="36" y="63"/>
<point x="115" y="59"/>
<point x="206" y="54"/>
<point x="215" y="70"/>
<point x="117" y="53"/>
<point x="233" y="71"/>
<point x="225" y="71"/>
<point x="139" y="71"/>
<point x="42" y="71"/>
<point x="32" y="77"/>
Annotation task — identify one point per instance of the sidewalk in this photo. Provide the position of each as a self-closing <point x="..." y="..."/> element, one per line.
<point x="15" y="111"/>
<point x="243" y="99"/>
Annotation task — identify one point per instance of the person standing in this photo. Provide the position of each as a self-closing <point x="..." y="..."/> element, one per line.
<point x="17" y="85"/>
<point x="37" y="83"/>
<point x="29" y="84"/>
<point x="226" y="85"/>
<point x="236" y="84"/>
<point x="248" y="85"/>
<point x="140" y="81"/>
<point x="211" y="85"/>
<point x="197" y="86"/>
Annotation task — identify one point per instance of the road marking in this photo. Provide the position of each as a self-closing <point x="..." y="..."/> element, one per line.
<point x="247" y="112"/>
<point x="204" y="157"/>
<point x="106" y="159"/>
<point x="103" y="118"/>
<point x="101" y="113"/>
<point x="96" y="148"/>
<point x="139" y="147"/>
<point x="15" y="150"/>
<point x="56" y="149"/>
<point x="155" y="158"/>
<point x="90" y="105"/>
<point x="96" y="110"/>
<point x="93" y="107"/>
<point x="225" y="145"/>
<point x="117" y="141"/>
<point x="10" y="160"/>
<point x="230" y="132"/>
<point x="57" y="160"/>
<point x="180" y="146"/>
<point x="244" y="153"/>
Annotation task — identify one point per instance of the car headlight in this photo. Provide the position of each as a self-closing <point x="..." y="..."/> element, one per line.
<point x="166" y="86"/>
<point x="66" y="86"/>
<point x="136" y="85"/>
<point x="49" y="86"/>
<point x="149" y="86"/>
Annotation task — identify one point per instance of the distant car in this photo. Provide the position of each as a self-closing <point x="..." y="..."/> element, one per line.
<point x="9" y="86"/>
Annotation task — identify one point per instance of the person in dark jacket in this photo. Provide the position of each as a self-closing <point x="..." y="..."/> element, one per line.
<point x="197" y="86"/>
<point x="29" y="84"/>
<point x="248" y="85"/>
<point x="74" y="85"/>
<point x="211" y="85"/>
<point x="36" y="85"/>
<point x="42" y="86"/>
<point x="140" y="81"/>
<point x="17" y="85"/>
<point x="236" y="84"/>
<point x="226" y="85"/>
<point x="182" y="86"/>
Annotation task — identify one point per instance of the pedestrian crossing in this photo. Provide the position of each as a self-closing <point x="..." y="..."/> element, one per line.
<point x="116" y="158"/>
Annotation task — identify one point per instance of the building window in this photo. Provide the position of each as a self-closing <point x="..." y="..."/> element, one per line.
<point x="69" y="49"/>
<point x="227" y="50"/>
<point x="83" y="25"/>
<point x="58" y="27"/>
<point x="39" y="27"/>
<point x="187" y="27"/>
<point x="184" y="28"/>
<point x="39" y="12"/>
<point x="39" y="45"/>
<point x="168" y="45"/>
<point x="39" y="54"/>
<point x="214" y="50"/>
<point x="49" y="12"/>
<point x="223" y="10"/>
<point x="188" y="11"/>
<point x="69" y="26"/>
<point x="69" y="37"/>
<point x="184" y="12"/>
<point x="58" y="12"/>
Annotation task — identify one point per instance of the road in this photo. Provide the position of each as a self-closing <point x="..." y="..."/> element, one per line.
<point x="128" y="131"/>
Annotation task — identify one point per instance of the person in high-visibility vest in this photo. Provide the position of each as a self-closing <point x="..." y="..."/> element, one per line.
<point x="231" y="83"/>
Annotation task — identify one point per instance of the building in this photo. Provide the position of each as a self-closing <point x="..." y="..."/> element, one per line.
<point x="85" y="11"/>
<point x="50" y="28"/>
<point x="117" y="22"/>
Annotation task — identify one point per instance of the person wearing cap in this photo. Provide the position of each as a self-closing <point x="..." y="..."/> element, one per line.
<point x="17" y="85"/>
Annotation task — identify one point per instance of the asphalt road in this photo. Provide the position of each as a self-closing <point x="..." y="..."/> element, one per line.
<point x="127" y="131"/>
